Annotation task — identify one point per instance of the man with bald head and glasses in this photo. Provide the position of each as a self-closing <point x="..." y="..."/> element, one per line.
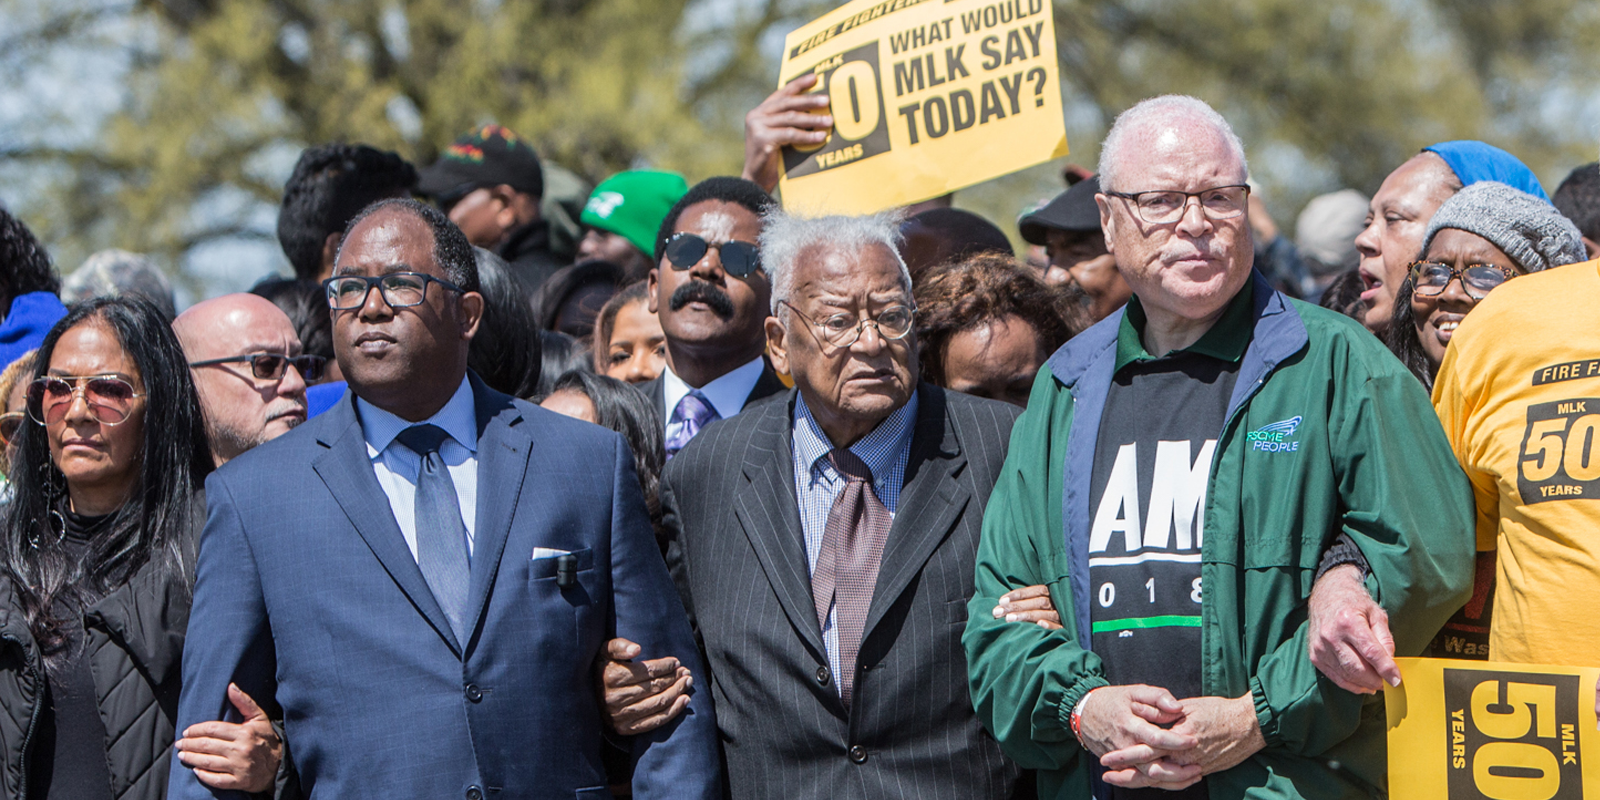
<point x="824" y="541"/>
<point x="1180" y="471"/>
<point x="248" y="369"/>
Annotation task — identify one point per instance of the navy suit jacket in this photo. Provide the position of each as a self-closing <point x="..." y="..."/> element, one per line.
<point x="307" y="592"/>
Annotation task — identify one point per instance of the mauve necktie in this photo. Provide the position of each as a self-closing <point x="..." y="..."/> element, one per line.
<point x="441" y="535"/>
<point x="847" y="567"/>
<point x="694" y="412"/>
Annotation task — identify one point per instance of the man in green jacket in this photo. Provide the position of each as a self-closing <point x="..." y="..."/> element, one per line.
<point x="1180" y="472"/>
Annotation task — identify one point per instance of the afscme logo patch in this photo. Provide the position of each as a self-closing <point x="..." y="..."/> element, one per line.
<point x="1275" y="438"/>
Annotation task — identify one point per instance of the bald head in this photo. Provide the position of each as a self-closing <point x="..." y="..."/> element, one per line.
<point x="242" y="410"/>
<point x="217" y="327"/>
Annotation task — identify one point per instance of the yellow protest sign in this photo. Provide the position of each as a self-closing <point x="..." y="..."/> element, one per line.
<point x="927" y="96"/>
<point x="1482" y="730"/>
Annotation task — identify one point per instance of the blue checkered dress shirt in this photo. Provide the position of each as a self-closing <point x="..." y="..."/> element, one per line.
<point x="816" y="483"/>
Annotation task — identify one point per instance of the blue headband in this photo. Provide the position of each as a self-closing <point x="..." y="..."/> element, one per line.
<point x="1474" y="161"/>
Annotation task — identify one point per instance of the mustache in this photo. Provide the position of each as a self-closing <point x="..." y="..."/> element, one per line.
<point x="286" y="407"/>
<point x="702" y="292"/>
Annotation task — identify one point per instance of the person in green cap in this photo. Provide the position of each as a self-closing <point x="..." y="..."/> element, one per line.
<point x="622" y="217"/>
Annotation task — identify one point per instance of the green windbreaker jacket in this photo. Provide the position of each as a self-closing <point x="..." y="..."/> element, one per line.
<point x="1326" y="432"/>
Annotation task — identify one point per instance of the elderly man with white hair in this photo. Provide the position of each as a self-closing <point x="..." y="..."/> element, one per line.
<point x="823" y="541"/>
<point x="1179" y="473"/>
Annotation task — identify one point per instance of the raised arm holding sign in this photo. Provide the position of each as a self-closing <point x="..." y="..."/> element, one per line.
<point x="924" y="99"/>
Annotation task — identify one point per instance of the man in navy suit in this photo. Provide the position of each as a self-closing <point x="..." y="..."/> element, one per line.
<point x="423" y="576"/>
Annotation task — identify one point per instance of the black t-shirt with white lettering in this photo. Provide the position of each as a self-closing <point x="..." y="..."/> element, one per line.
<point x="1152" y="465"/>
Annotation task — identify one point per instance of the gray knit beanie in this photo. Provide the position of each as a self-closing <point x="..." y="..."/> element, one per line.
<point x="1528" y="229"/>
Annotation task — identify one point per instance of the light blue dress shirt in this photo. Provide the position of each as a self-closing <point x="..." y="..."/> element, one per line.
<point x="726" y="394"/>
<point x="886" y="450"/>
<point x="397" y="466"/>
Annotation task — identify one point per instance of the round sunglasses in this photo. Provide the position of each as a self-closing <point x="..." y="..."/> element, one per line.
<point x="108" y="397"/>
<point x="739" y="259"/>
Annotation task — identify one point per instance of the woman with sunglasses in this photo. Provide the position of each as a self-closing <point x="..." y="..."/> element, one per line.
<point x="98" y="559"/>
<point x="1485" y="235"/>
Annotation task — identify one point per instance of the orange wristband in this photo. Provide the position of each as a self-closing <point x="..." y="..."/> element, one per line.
<point x="1076" y="720"/>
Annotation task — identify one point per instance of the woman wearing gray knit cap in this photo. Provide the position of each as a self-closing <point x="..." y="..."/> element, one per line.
<point x="1485" y="235"/>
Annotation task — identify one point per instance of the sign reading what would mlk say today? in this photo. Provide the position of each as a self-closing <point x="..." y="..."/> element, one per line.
<point x="927" y="96"/>
<point x="1480" y="730"/>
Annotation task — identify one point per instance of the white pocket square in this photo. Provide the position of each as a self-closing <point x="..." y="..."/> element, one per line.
<point x="548" y="552"/>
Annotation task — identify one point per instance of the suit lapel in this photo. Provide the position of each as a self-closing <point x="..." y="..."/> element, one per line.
<point x="347" y="472"/>
<point x="930" y="503"/>
<point x="767" y="511"/>
<point x="503" y="450"/>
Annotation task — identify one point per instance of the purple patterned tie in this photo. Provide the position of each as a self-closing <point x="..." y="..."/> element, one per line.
<point x="694" y="412"/>
<point x="847" y="566"/>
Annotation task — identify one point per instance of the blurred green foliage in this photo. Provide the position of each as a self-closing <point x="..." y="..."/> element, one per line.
<point x="215" y="97"/>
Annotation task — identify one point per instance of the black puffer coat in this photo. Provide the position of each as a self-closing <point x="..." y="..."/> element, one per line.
<point x="135" y="650"/>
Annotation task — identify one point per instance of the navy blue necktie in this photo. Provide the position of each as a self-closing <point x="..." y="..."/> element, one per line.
<point x="441" y="535"/>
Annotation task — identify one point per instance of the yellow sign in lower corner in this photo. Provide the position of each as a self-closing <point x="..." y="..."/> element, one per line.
<point x="927" y="98"/>
<point x="1483" y="730"/>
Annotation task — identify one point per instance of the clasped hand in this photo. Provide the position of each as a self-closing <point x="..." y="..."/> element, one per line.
<point x="1145" y="737"/>
<point x="243" y="756"/>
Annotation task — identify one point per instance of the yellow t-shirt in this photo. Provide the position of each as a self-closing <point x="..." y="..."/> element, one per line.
<point x="1519" y="397"/>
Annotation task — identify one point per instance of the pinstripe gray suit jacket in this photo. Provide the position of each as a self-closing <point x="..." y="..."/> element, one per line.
<point x="737" y="553"/>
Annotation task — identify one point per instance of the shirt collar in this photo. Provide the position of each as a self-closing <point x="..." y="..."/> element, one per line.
<point x="878" y="449"/>
<point x="1225" y="341"/>
<point x="459" y="418"/>
<point x="726" y="393"/>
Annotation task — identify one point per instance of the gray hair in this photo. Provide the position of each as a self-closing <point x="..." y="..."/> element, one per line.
<point x="1175" y="110"/>
<point x="785" y="236"/>
<point x="111" y="273"/>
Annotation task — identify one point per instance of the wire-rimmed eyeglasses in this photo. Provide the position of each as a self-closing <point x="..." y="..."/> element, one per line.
<point x="843" y="329"/>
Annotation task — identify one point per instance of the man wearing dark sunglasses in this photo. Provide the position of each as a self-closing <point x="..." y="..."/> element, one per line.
<point x="711" y="296"/>
<point x="248" y="369"/>
<point x="433" y="540"/>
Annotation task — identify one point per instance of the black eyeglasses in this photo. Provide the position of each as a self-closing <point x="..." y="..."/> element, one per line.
<point x="109" y="398"/>
<point x="399" y="289"/>
<point x="1431" y="278"/>
<point x="1166" y="206"/>
<point x="739" y="259"/>
<point x="843" y="329"/>
<point x="271" y="366"/>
